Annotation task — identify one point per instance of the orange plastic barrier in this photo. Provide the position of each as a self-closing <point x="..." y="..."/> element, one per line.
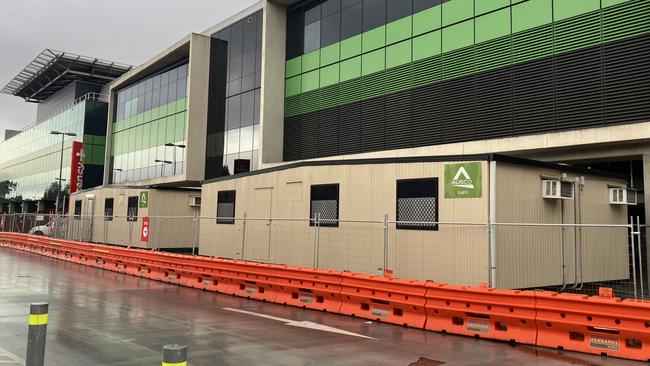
<point x="506" y="315"/>
<point x="383" y="299"/>
<point x="598" y="325"/>
<point x="308" y="288"/>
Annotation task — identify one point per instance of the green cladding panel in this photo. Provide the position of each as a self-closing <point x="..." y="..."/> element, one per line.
<point x="454" y="39"/>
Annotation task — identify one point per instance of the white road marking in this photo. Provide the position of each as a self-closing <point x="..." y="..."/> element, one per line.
<point x="300" y="324"/>
<point x="13" y="358"/>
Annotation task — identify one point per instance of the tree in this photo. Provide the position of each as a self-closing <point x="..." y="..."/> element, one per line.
<point x="6" y="188"/>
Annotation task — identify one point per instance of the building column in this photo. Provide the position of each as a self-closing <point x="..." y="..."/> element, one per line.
<point x="272" y="98"/>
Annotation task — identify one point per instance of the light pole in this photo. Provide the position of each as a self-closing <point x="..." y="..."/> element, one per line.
<point x="162" y="165"/>
<point x="58" y="191"/>
<point x="171" y="144"/>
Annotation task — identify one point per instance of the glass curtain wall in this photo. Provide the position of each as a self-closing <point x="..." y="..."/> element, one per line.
<point x="29" y="161"/>
<point x="242" y="114"/>
<point x="150" y="117"/>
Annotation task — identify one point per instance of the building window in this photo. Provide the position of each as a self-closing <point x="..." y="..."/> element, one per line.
<point x="325" y="201"/>
<point x="226" y="207"/>
<point x="132" y="209"/>
<point x="77" y="210"/>
<point x="417" y="201"/>
<point x="108" y="209"/>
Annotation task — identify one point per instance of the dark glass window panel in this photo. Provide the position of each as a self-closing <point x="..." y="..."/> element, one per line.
<point x="181" y="90"/>
<point x="77" y="210"/>
<point x="226" y="207"/>
<point x="141" y="88"/>
<point x="224" y="34"/>
<point x="258" y="58"/>
<point x="147" y="101"/>
<point x="155" y="101"/>
<point x="247" y="108"/>
<point x="132" y="209"/>
<point x="235" y="67"/>
<point x="248" y="82"/>
<point x="256" y="116"/>
<point x="325" y="202"/>
<point x="346" y="3"/>
<point x="351" y="21"/>
<point x="234" y="112"/>
<point x="164" y="78"/>
<point x="295" y="30"/>
<point x="312" y="37"/>
<point x="330" y="7"/>
<point x="419" y="5"/>
<point x="312" y="15"/>
<point x="140" y="101"/>
<point x="172" y="92"/>
<point x="417" y="201"/>
<point x="331" y="29"/>
<point x="173" y="75"/>
<point x="148" y="85"/>
<point x="398" y="9"/>
<point x="258" y="79"/>
<point x="374" y="14"/>
<point x="156" y="82"/>
<point x="250" y="32"/>
<point x="236" y="38"/>
<point x="120" y="112"/>
<point x="164" y="94"/>
<point x="234" y="87"/>
<point x="183" y="70"/>
<point x="248" y="66"/>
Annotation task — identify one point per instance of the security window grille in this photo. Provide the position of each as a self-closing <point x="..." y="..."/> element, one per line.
<point x="77" y="210"/>
<point x="226" y="207"/>
<point x="108" y="209"/>
<point x="132" y="210"/>
<point x="325" y="201"/>
<point x="417" y="204"/>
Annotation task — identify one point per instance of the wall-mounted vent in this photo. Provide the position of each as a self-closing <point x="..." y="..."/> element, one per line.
<point x="195" y="201"/>
<point x="556" y="189"/>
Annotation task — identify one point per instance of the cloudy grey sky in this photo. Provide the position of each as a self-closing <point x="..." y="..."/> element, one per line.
<point x="127" y="31"/>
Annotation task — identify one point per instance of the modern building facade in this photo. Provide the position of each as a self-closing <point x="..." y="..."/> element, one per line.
<point x="68" y="90"/>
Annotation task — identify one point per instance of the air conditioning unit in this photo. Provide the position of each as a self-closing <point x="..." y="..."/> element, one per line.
<point x="195" y="201"/>
<point x="622" y="196"/>
<point x="557" y="189"/>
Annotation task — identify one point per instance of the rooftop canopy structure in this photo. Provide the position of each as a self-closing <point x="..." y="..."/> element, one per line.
<point x="52" y="70"/>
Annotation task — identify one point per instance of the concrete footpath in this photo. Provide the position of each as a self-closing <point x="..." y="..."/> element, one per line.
<point x="100" y="317"/>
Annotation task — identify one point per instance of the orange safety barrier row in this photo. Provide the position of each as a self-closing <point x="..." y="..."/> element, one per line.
<point x="590" y="324"/>
<point x="384" y="299"/>
<point x="505" y="315"/>
<point x="598" y="324"/>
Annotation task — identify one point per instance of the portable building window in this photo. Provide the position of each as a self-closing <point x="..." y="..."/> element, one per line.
<point x="108" y="209"/>
<point x="226" y="207"/>
<point x="77" y="210"/>
<point x="132" y="209"/>
<point x="417" y="200"/>
<point x="325" y="201"/>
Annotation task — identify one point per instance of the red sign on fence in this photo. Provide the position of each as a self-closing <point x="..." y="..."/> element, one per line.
<point x="145" y="229"/>
<point x="77" y="167"/>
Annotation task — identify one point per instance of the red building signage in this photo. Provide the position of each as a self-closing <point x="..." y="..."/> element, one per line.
<point x="77" y="167"/>
<point x="144" y="237"/>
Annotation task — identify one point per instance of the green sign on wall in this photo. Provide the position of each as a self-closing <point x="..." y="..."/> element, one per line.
<point x="144" y="199"/>
<point x="463" y="180"/>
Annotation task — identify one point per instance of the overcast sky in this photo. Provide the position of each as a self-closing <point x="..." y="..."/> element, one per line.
<point x="127" y="31"/>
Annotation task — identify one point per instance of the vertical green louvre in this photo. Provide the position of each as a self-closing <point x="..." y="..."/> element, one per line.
<point x="454" y="39"/>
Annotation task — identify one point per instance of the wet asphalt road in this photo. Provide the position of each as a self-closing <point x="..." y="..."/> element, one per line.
<point x="100" y="317"/>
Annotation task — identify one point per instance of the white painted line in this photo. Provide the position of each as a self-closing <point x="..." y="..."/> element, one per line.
<point x="14" y="359"/>
<point x="300" y="324"/>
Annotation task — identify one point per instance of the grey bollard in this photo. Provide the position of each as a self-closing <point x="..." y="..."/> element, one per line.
<point x="174" y="355"/>
<point x="36" y="335"/>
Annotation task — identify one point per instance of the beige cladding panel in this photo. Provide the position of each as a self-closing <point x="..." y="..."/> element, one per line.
<point x="174" y="232"/>
<point x="532" y="256"/>
<point x="453" y="253"/>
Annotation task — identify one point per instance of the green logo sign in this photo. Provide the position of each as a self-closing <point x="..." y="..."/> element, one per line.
<point x="463" y="180"/>
<point x="144" y="199"/>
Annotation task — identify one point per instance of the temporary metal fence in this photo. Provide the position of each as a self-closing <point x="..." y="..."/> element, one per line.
<point x="577" y="258"/>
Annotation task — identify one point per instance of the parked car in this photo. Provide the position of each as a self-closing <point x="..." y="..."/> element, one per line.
<point x="45" y="230"/>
